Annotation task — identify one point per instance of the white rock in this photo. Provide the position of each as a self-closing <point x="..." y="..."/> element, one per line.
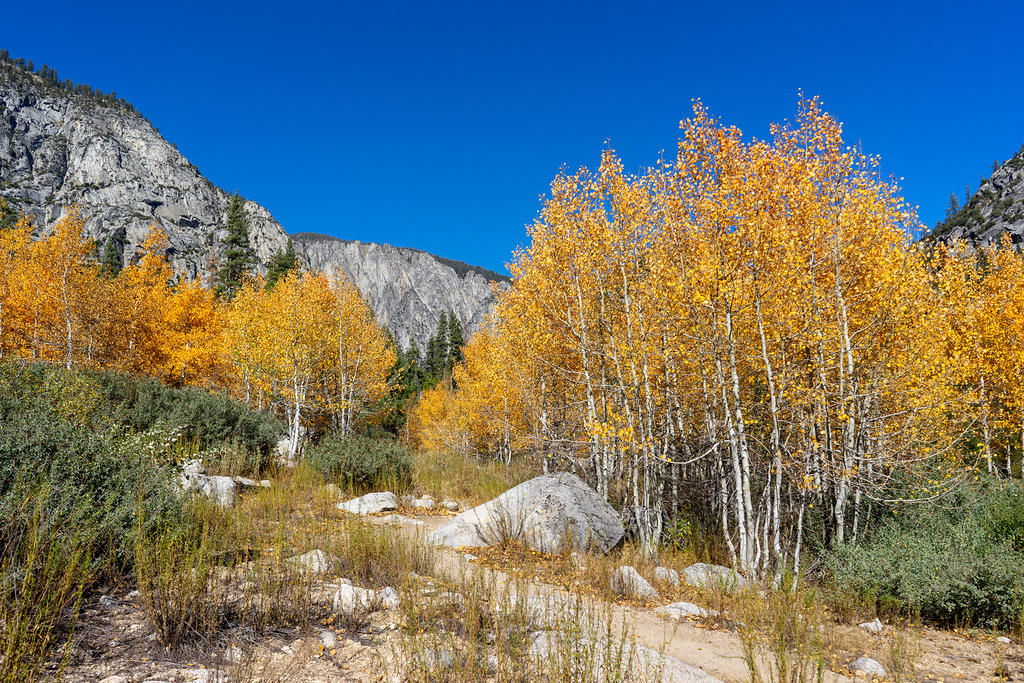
<point x="329" y="639"/>
<point x="370" y="503"/>
<point x="115" y="679"/>
<point x="266" y="483"/>
<point x="450" y="505"/>
<point x="315" y="562"/>
<point x="868" y="666"/>
<point x="221" y="490"/>
<point x="353" y="599"/>
<point x="702" y="575"/>
<point x="666" y="575"/>
<point x="439" y="659"/>
<point x="388" y="598"/>
<point x="874" y="626"/>
<point x="681" y="610"/>
<point x="425" y="503"/>
<point x="400" y="520"/>
<point x="1003" y="639"/>
<point x="628" y="582"/>
<point x="538" y="512"/>
<point x="233" y="654"/>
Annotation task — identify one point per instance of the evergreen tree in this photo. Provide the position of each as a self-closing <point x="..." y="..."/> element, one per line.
<point x="284" y="262"/>
<point x="238" y="258"/>
<point x="953" y="206"/>
<point x="456" y="339"/>
<point x="8" y="216"/>
<point x="113" y="255"/>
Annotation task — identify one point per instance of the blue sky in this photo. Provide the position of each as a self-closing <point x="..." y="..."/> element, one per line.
<point x="439" y="125"/>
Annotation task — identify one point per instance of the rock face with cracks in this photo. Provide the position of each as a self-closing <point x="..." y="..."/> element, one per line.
<point x="542" y="513"/>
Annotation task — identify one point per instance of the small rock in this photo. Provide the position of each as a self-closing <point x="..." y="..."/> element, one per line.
<point x="388" y="598"/>
<point x="492" y="665"/>
<point x="245" y="482"/>
<point x="868" y="666"/>
<point x="266" y="483"/>
<point x="439" y="659"/>
<point x="132" y="595"/>
<point x="628" y="582"/>
<point x="874" y="626"/>
<point x="469" y="556"/>
<point x="1003" y="639"/>
<point x="577" y="561"/>
<point x="315" y="562"/>
<point x="115" y="679"/>
<point x="666" y="575"/>
<point x="233" y="654"/>
<point x="424" y="503"/>
<point x="370" y="503"/>
<point x="401" y="519"/>
<point x="108" y="601"/>
<point x="450" y="506"/>
<point x="703" y="575"/>
<point x="328" y="639"/>
<point x="681" y="610"/>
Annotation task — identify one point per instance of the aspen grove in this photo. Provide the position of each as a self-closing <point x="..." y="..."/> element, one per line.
<point x="308" y="347"/>
<point x="748" y="338"/>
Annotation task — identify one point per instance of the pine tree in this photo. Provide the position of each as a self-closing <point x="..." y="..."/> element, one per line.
<point x="238" y="258"/>
<point x="8" y="216"/>
<point x="113" y="254"/>
<point x="282" y="263"/>
<point x="456" y="339"/>
<point x="953" y="206"/>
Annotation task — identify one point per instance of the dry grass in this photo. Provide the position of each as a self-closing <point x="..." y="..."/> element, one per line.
<point x="475" y="628"/>
<point x="467" y="479"/>
<point x="238" y="568"/>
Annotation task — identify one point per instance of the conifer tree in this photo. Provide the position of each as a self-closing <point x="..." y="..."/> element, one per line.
<point x="238" y="258"/>
<point x="8" y="216"/>
<point x="456" y="338"/>
<point x="113" y="251"/>
<point x="282" y="263"/>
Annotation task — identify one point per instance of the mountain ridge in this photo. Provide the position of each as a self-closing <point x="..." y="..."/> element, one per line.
<point x="61" y="144"/>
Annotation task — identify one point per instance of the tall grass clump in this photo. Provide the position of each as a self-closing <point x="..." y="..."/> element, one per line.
<point x="474" y="628"/>
<point x="45" y="565"/>
<point x="468" y="478"/>
<point x="782" y="635"/>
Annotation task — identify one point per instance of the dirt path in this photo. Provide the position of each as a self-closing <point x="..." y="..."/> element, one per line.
<point x="718" y="653"/>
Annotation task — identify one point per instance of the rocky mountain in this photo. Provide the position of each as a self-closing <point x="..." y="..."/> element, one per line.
<point x="996" y="208"/>
<point x="407" y="288"/>
<point x="60" y="145"/>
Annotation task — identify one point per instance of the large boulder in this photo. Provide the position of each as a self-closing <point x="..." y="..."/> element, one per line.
<point x="539" y="513"/>
<point x="370" y="503"/>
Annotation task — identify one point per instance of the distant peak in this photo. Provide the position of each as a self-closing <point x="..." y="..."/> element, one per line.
<point x="461" y="268"/>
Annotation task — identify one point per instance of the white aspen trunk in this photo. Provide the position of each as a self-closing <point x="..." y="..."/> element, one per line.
<point x="744" y="453"/>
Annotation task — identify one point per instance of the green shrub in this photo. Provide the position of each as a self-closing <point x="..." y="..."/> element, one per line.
<point x="56" y="451"/>
<point x="362" y="463"/>
<point x="208" y="419"/>
<point x="956" y="566"/>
